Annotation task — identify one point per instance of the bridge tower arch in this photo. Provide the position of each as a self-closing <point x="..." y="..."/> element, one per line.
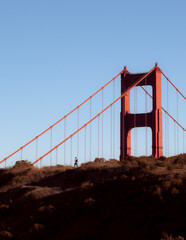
<point x="152" y="119"/>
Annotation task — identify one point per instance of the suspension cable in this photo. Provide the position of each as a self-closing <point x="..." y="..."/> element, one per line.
<point x="20" y="149"/>
<point x="175" y="122"/>
<point x="132" y="86"/>
<point x="166" y="111"/>
<point x="39" y="135"/>
<point x="173" y="85"/>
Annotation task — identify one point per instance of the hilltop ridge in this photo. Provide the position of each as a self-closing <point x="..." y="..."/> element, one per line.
<point x="139" y="198"/>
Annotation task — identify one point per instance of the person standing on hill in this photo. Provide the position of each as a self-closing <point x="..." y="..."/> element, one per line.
<point x="76" y="162"/>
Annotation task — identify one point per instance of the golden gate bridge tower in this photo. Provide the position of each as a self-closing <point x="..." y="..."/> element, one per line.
<point x="152" y="119"/>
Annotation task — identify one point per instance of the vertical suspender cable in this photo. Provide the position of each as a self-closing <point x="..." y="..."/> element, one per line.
<point x="174" y="138"/>
<point x="71" y="151"/>
<point x="111" y="132"/>
<point x="165" y="134"/>
<point x="146" y="117"/>
<point x="85" y="143"/>
<point x="136" y="125"/>
<point x="98" y="136"/>
<point x="134" y="121"/>
<point x="113" y="120"/>
<point x="167" y="120"/>
<point x="135" y="129"/>
<point x="36" y="149"/>
<point x="90" y="124"/>
<point x="183" y="141"/>
<point x="78" y="133"/>
<point x="163" y="121"/>
<point x="177" y="125"/>
<point x="51" y="146"/>
<point x="102" y="123"/>
<point x="21" y="154"/>
<point x="64" y="143"/>
<point x="56" y="156"/>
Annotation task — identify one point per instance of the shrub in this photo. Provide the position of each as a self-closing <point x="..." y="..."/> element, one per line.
<point x="87" y="185"/>
<point x="41" y="192"/>
<point x="169" y="168"/>
<point x="124" y="176"/>
<point x="38" y="226"/>
<point x="133" y="178"/>
<point x="162" y="158"/>
<point x="167" y="237"/>
<point x="46" y="208"/>
<point x="159" y="164"/>
<point x="99" y="160"/>
<point x="6" y="235"/>
<point x="23" y="163"/>
<point x="142" y="164"/>
<point x="157" y="191"/>
<point x="176" y="160"/>
<point x="89" y="201"/>
<point x="113" y="160"/>
<point x="4" y="206"/>
<point x="177" y="182"/>
<point x="166" y="185"/>
<point x="152" y="167"/>
<point x="174" y="191"/>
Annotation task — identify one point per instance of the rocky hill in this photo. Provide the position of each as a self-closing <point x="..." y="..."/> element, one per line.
<point x="139" y="198"/>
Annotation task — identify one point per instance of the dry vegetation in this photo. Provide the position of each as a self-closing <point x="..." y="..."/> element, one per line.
<point x="139" y="198"/>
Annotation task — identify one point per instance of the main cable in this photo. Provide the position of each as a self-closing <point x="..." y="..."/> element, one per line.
<point x="132" y="86"/>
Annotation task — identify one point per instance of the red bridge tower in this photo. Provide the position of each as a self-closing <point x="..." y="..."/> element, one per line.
<point x="152" y="119"/>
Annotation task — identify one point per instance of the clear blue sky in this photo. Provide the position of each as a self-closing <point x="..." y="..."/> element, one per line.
<point x="54" y="54"/>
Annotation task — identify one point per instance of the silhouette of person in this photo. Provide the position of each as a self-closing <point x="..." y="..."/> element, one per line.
<point x="76" y="162"/>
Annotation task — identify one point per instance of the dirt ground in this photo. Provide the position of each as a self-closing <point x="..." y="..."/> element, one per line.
<point x="139" y="198"/>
